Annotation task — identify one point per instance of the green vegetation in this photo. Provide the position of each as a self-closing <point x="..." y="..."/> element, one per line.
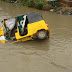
<point x="30" y="3"/>
<point x="55" y="4"/>
<point x="39" y="4"/>
<point x="8" y="0"/>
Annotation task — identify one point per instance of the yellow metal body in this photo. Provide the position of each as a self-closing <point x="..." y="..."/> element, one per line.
<point x="2" y="33"/>
<point x="2" y="41"/>
<point x="32" y="28"/>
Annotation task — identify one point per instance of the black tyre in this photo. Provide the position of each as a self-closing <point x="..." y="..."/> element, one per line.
<point x="41" y="35"/>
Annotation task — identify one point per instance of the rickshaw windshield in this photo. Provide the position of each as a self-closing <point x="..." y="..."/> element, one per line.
<point x="34" y="17"/>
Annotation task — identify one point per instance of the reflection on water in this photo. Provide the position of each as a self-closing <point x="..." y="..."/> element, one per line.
<point x="51" y="55"/>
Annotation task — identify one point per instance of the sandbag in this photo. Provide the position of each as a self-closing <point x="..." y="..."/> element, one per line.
<point x="10" y="23"/>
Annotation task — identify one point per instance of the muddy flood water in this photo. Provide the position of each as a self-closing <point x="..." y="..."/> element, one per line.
<point x="51" y="55"/>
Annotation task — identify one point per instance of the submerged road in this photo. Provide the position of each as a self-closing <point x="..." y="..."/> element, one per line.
<point x="51" y="55"/>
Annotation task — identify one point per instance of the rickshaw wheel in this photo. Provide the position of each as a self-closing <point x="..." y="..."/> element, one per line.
<point x="41" y="35"/>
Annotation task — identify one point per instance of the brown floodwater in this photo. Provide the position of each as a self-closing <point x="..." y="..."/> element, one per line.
<point x="51" y="55"/>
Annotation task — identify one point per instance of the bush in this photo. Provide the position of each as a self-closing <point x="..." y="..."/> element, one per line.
<point x="47" y="7"/>
<point x="58" y="4"/>
<point x="51" y="3"/>
<point x="55" y="4"/>
<point x="30" y="3"/>
<point x="8" y="1"/>
<point x="39" y="5"/>
<point x="24" y="2"/>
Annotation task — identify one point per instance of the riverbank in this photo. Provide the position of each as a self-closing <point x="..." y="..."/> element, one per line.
<point x="46" y="6"/>
<point x="64" y="10"/>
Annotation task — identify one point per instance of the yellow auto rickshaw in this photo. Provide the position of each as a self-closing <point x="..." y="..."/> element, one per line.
<point x="29" y="26"/>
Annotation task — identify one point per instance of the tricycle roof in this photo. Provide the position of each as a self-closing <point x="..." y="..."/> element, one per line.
<point x="34" y="17"/>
